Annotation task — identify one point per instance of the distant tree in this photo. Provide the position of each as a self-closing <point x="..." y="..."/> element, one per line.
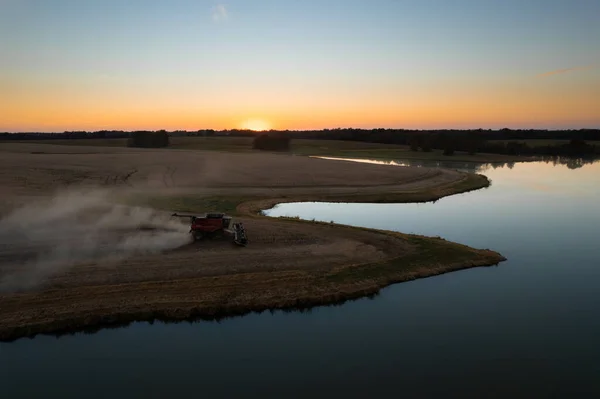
<point x="578" y="147"/>
<point x="144" y="139"/>
<point x="447" y="143"/>
<point x="472" y="143"/>
<point x="516" y="148"/>
<point x="427" y="143"/>
<point x="413" y="142"/>
<point x="449" y="149"/>
<point x="271" y="142"/>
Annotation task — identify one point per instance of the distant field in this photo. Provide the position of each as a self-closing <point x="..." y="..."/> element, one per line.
<point x="198" y="143"/>
<point x="229" y="144"/>
<point x="332" y="148"/>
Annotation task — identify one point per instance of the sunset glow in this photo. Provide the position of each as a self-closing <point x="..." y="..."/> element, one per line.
<point x="191" y="65"/>
<point x="256" y="124"/>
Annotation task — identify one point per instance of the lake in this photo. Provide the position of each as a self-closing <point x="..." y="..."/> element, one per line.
<point x="527" y="328"/>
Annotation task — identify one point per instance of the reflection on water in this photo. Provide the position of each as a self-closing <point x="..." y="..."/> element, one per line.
<point x="571" y="163"/>
<point x="473" y="167"/>
<point x="528" y="328"/>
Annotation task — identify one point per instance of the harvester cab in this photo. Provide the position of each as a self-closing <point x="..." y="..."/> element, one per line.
<point x="215" y="224"/>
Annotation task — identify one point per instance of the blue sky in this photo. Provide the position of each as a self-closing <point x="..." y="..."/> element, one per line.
<point x="276" y="60"/>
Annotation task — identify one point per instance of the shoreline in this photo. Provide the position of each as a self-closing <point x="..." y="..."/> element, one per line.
<point x="97" y="322"/>
<point x="471" y="182"/>
<point x="92" y="307"/>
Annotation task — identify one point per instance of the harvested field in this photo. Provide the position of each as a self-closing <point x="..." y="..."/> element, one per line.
<point x="32" y="168"/>
<point x="288" y="263"/>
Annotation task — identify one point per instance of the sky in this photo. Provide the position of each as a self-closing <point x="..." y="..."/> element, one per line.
<point x="298" y="64"/>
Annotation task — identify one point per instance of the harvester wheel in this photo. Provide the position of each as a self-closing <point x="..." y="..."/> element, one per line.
<point x="198" y="235"/>
<point x="239" y="235"/>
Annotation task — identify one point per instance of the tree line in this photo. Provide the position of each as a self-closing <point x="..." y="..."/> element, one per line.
<point x="389" y="136"/>
<point x="501" y="141"/>
<point x="148" y="139"/>
<point x="271" y="142"/>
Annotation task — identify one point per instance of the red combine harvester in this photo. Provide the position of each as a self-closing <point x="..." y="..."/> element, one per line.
<point x="215" y="224"/>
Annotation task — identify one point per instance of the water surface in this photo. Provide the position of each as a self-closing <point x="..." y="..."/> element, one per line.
<point x="527" y="328"/>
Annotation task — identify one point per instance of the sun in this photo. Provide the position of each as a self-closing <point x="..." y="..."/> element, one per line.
<point x="256" y="124"/>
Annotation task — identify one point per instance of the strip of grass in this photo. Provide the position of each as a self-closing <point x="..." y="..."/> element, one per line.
<point x="470" y="182"/>
<point x="252" y="206"/>
<point x="404" y="153"/>
<point x="432" y="255"/>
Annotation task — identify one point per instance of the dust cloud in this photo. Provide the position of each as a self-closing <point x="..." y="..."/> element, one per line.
<point x="42" y="239"/>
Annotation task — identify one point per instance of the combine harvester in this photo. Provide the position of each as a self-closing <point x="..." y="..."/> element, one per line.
<point x="215" y="225"/>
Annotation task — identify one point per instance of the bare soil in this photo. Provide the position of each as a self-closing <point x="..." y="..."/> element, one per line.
<point x="32" y="169"/>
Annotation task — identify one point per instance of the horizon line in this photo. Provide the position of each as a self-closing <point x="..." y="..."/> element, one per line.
<point x="295" y="130"/>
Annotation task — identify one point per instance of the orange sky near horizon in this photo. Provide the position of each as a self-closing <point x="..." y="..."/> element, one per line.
<point x="59" y="107"/>
<point x="113" y="65"/>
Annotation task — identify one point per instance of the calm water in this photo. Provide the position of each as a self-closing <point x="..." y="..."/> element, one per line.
<point x="527" y="328"/>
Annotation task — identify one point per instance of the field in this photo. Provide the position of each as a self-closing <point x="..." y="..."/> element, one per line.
<point x="330" y="148"/>
<point x="68" y="211"/>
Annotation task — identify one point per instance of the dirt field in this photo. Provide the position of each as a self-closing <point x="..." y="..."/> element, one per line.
<point x="58" y="272"/>
<point x="38" y="169"/>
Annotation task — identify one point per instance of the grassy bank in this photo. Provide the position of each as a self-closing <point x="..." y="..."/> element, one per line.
<point x="252" y="205"/>
<point x="471" y="182"/>
<point x="387" y="152"/>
